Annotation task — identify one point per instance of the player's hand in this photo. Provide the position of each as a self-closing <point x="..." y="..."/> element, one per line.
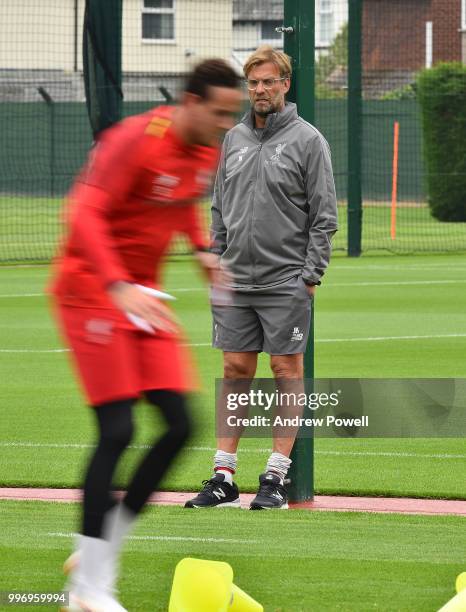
<point x="210" y="263"/>
<point x="311" y="289"/>
<point x="130" y="299"/>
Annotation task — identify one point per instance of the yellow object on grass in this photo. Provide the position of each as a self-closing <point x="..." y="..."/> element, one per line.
<point x="200" y="585"/>
<point x="242" y="602"/>
<point x="458" y="603"/>
<point x="461" y="582"/>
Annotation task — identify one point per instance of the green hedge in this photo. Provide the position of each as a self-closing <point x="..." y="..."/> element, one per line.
<point x="442" y="95"/>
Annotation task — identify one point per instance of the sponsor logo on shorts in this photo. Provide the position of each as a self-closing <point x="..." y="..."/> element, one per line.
<point x="99" y="331"/>
<point x="297" y="335"/>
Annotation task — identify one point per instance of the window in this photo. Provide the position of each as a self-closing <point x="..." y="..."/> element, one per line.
<point x="326" y="22"/>
<point x="268" y="34"/>
<point x="463" y="15"/>
<point x="158" y="20"/>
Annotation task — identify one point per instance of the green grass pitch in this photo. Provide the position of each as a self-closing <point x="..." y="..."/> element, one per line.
<point x="319" y="562"/>
<point x="30" y="227"/>
<point x="375" y="317"/>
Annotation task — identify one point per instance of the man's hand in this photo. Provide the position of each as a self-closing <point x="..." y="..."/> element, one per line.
<point x="311" y="289"/>
<point x="132" y="300"/>
<point x="210" y="264"/>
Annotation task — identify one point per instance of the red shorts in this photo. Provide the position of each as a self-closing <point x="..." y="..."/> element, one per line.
<point x="117" y="361"/>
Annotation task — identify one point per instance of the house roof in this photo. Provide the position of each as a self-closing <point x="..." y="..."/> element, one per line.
<point x="257" y="10"/>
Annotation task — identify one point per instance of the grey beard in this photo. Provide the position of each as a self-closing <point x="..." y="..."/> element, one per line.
<point x="265" y="113"/>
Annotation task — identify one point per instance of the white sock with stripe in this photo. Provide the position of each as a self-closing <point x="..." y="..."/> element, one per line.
<point x="278" y="464"/>
<point x="225" y="463"/>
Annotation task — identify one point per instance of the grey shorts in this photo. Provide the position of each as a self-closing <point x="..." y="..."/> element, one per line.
<point x="274" y="319"/>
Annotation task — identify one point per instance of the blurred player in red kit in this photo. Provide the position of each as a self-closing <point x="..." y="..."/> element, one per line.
<point x="139" y="187"/>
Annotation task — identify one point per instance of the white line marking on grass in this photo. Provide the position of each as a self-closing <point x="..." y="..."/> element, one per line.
<point x="20" y="295"/>
<point x="132" y="446"/>
<point x="192" y="539"/>
<point x="389" y="267"/>
<point x="34" y="350"/>
<point x="318" y="340"/>
<point x="353" y="453"/>
<point x="382" y="338"/>
<point x="165" y="538"/>
<point x="390" y="454"/>
<point x="363" y="266"/>
<point x="328" y="285"/>
<point x="45" y="445"/>
<point x="10" y="266"/>
<point x="393" y="283"/>
<point x="247" y="450"/>
<point x="27" y="295"/>
<point x="370" y="339"/>
<point x="244" y="450"/>
<point x="66" y="350"/>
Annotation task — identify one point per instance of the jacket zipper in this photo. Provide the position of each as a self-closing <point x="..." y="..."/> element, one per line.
<point x="253" y="275"/>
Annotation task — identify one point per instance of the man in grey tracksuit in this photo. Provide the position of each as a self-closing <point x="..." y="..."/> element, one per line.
<point x="273" y="215"/>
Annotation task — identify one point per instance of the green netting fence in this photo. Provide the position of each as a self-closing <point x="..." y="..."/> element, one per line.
<point x="46" y="133"/>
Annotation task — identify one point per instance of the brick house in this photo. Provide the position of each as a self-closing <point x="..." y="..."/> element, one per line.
<point x="402" y="36"/>
<point x="254" y="23"/>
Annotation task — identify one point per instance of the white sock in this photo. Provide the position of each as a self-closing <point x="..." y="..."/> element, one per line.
<point x="278" y="464"/>
<point x="119" y="521"/>
<point x="90" y="574"/>
<point x="228" y="476"/>
<point x="225" y="463"/>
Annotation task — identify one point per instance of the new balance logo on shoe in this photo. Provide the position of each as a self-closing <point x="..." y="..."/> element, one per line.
<point x="271" y="494"/>
<point x="296" y="336"/>
<point x="216" y="493"/>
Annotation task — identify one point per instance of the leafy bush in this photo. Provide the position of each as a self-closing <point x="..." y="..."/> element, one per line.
<point x="337" y="57"/>
<point x="405" y="92"/>
<point x="442" y="96"/>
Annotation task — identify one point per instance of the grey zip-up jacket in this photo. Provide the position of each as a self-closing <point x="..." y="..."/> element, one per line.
<point x="274" y="206"/>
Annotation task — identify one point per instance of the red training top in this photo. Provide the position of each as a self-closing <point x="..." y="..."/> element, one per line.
<point x="138" y="188"/>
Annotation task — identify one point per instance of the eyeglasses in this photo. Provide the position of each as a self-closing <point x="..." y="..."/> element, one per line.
<point x="252" y="84"/>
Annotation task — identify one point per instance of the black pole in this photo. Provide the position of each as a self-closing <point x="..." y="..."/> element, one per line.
<point x="51" y="106"/>
<point x="102" y="62"/>
<point x="75" y="59"/>
<point x="299" y="36"/>
<point x="354" y="127"/>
